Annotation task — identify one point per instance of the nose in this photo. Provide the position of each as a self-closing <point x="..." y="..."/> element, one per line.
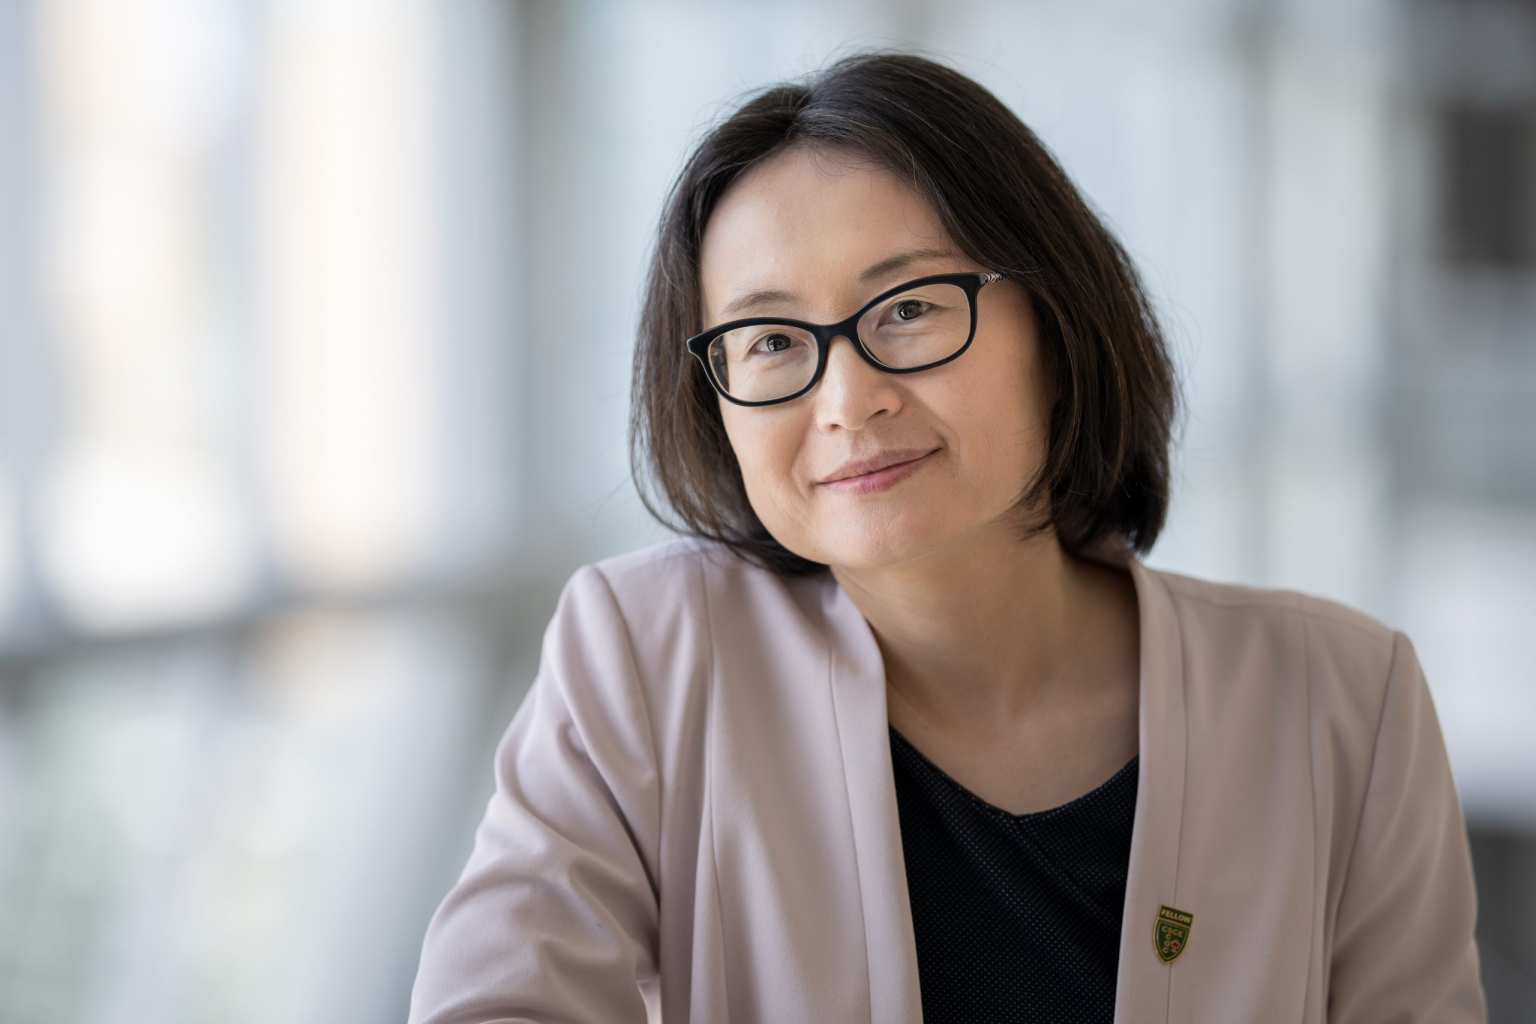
<point x="850" y="390"/>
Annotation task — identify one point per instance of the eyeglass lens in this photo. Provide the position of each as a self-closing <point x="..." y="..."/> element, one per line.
<point x="922" y="325"/>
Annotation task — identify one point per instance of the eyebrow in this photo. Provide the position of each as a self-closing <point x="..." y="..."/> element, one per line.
<point x="769" y="296"/>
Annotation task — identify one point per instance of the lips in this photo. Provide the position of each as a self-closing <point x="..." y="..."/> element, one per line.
<point x="874" y="463"/>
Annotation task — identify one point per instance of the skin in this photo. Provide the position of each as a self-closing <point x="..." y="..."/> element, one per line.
<point x="1013" y="666"/>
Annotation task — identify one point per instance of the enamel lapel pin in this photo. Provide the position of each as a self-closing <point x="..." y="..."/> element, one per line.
<point x="1171" y="934"/>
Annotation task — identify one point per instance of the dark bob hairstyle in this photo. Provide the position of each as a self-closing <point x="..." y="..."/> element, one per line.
<point x="1007" y="205"/>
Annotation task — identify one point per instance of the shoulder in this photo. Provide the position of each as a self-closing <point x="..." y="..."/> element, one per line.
<point x="674" y="575"/>
<point x="677" y="562"/>
<point x="1342" y="654"/>
<point x="695" y="579"/>
<point x="679" y="600"/>
<point x="1283" y="670"/>
<point x="669" y="621"/>
<point x="1204" y="599"/>
<point x="638" y="593"/>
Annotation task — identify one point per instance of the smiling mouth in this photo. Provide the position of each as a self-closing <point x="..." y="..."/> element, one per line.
<point x="879" y="479"/>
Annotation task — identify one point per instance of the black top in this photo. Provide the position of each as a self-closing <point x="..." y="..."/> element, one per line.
<point x="1017" y="916"/>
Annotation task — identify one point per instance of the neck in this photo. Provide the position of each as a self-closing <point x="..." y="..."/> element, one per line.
<point x="989" y="630"/>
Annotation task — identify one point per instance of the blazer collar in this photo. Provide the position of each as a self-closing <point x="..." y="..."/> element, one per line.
<point x="857" y="673"/>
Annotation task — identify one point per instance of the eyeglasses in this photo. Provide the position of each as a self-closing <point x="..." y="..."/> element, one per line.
<point x="914" y="326"/>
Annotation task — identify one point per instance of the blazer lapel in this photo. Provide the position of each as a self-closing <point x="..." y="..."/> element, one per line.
<point x="857" y="672"/>
<point x="1141" y="990"/>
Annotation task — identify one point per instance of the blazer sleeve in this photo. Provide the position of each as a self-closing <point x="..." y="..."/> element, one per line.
<point x="554" y="917"/>
<point x="1403" y="949"/>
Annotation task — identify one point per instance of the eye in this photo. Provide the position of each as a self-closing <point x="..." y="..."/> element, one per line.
<point x="909" y="309"/>
<point x="775" y="342"/>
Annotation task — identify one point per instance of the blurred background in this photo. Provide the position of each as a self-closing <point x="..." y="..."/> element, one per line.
<point x="315" y="323"/>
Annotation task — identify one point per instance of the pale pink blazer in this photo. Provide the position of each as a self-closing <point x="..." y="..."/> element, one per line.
<point x="695" y="808"/>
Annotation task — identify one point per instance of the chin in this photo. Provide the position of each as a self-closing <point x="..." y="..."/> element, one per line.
<point x="874" y="545"/>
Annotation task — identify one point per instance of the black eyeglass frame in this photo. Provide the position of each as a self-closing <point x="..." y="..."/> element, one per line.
<point x="970" y="282"/>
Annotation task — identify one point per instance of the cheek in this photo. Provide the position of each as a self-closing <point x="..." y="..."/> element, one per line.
<point x="996" y="411"/>
<point x="1007" y="405"/>
<point x="766" y="446"/>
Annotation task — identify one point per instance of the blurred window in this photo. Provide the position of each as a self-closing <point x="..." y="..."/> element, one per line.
<point x="1488" y="199"/>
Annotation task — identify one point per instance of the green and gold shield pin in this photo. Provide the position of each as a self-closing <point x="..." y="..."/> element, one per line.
<point x="1171" y="934"/>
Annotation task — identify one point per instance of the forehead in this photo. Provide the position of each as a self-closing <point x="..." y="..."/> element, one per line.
<point x="807" y="223"/>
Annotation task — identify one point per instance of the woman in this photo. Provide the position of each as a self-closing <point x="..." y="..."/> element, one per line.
<point x="901" y="729"/>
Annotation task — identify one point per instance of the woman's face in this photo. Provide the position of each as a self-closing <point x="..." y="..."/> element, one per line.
<point x="807" y="225"/>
